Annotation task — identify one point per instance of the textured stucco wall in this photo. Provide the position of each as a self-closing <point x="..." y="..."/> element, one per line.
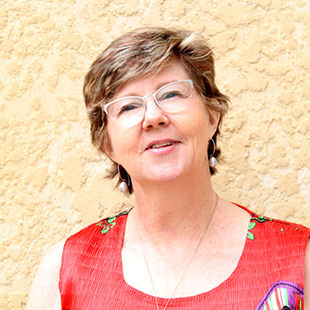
<point x="52" y="180"/>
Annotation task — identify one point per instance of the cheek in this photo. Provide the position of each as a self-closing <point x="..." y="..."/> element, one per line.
<point x="201" y="133"/>
<point x="121" y="144"/>
<point x="202" y="121"/>
<point x="111" y="142"/>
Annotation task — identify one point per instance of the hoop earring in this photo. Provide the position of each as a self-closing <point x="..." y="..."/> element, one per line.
<point x="123" y="187"/>
<point x="212" y="159"/>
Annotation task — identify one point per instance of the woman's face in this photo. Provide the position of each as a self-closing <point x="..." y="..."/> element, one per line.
<point x="162" y="147"/>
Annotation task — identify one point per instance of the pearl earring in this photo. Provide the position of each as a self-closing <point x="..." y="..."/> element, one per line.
<point x="123" y="187"/>
<point x="212" y="159"/>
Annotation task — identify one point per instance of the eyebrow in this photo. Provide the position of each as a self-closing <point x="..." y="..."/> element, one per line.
<point x="165" y="83"/>
<point x="157" y="88"/>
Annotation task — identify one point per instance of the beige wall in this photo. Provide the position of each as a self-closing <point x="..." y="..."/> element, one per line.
<point x="52" y="180"/>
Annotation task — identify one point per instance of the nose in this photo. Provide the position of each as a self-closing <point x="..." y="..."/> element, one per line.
<point x="154" y="116"/>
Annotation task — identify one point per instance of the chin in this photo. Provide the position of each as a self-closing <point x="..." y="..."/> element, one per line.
<point x="166" y="175"/>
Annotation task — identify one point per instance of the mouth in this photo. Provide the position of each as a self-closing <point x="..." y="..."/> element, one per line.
<point x="160" y="144"/>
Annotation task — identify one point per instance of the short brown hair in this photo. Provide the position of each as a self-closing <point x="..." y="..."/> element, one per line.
<point x="143" y="52"/>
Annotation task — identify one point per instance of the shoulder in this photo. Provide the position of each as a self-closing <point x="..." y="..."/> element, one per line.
<point x="276" y="224"/>
<point x="281" y="227"/>
<point x="106" y="226"/>
<point x="91" y="249"/>
<point x="106" y="233"/>
<point x="277" y="234"/>
<point x="44" y="292"/>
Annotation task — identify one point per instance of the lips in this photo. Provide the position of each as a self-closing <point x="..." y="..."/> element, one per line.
<point x="155" y="146"/>
<point x="160" y="144"/>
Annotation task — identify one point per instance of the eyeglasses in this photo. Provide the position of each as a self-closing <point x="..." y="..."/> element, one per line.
<point x="171" y="98"/>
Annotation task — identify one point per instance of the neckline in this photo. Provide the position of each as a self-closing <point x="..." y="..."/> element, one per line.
<point x="179" y="301"/>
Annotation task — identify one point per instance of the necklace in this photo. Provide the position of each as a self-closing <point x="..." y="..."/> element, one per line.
<point x="187" y="266"/>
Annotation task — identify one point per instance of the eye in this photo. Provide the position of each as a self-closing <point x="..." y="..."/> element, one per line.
<point x="129" y="107"/>
<point x="170" y="95"/>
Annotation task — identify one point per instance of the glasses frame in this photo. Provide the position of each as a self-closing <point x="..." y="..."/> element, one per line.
<point x="105" y="107"/>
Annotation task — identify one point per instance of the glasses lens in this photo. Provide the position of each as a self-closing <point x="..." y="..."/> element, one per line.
<point x="174" y="97"/>
<point x="126" y="110"/>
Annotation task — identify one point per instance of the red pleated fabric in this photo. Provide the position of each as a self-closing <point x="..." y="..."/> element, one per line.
<point x="269" y="275"/>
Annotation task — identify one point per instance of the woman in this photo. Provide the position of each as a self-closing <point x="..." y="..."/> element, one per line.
<point x="155" y="111"/>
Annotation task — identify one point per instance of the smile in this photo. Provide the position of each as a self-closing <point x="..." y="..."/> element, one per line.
<point x="158" y="145"/>
<point x="161" y="144"/>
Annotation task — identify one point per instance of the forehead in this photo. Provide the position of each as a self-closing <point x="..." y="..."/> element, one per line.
<point x="148" y="84"/>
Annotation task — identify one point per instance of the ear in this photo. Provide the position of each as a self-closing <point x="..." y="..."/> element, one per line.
<point x="214" y="119"/>
<point x="107" y="147"/>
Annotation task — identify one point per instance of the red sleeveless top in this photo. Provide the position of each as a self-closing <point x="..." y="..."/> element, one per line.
<point x="269" y="274"/>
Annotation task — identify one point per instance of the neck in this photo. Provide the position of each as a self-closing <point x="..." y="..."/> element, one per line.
<point x="176" y="207"/>
<point x="167" y="226"/>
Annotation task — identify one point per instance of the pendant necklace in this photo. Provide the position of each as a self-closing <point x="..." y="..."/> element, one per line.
<point x="187" y="266"/>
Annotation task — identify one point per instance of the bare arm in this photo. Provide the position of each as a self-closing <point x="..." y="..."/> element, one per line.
<point x="307" y="278"/>
<point x="44" y="294"/>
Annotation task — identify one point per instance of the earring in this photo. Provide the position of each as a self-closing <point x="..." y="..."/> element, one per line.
<point x="123" y="187"/>
<point x="212" y="159"/>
